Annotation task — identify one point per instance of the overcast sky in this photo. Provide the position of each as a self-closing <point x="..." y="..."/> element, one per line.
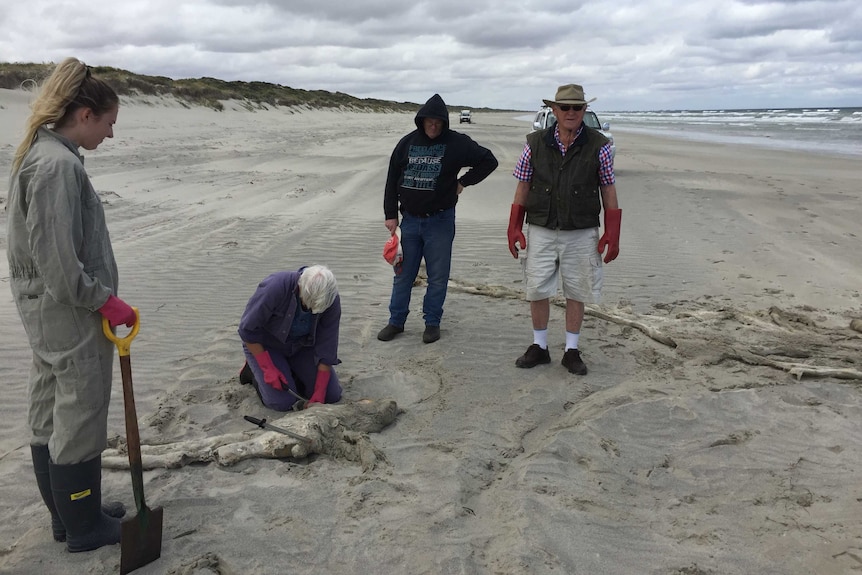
<point x="630" y="54"/>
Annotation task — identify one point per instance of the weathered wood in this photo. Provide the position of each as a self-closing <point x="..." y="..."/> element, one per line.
<point x="339" y="430"/>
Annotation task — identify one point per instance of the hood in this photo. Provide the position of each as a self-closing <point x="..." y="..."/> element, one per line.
<point x="435" y="108"/>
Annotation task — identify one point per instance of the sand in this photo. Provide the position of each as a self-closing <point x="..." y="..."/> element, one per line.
<point x="719" y="430"/>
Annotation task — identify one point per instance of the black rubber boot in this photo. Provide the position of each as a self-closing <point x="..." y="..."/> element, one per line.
<point x="77" y="491"/>
<point x="41" y="459"/>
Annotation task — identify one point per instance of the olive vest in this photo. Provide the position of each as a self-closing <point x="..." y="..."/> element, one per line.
<point x="564" y="192"/>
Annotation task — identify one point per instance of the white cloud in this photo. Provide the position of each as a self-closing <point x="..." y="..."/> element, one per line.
<point x="645" y="54"/>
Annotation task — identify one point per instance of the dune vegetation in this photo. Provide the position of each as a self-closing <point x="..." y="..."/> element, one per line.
<point x="208" y="92"/>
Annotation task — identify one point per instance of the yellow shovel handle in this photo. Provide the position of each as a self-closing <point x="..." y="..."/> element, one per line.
<point x="124" y="344"/>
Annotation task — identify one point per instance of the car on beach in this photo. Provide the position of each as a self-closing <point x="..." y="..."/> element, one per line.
<point x="466" y="116"/>
<point x="545" y="119"/>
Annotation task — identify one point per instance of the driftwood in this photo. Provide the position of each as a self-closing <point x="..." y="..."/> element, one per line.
<point x="797" y="369"/>
<point x="337" y="430"/>
<point x="508" y="293"/>
<point x="651" y="332"/>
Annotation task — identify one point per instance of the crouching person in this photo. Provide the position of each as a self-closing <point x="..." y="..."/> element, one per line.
<point x="289" y="333"/>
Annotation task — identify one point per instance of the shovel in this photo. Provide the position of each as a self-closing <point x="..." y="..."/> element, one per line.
<point x="140" y="536"/>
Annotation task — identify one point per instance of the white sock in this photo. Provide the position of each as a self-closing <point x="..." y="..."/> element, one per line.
<point x="572" y="340"/>
<point x="540" y="337"/>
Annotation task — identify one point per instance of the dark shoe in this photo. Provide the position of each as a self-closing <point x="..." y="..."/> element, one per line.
<point x="533" y="357"/>
<point x="245" y="375"/>
<point x="77" y="491"/>
<point x="572" y="361"/>
<point x="41" y="459"/>
<point x="389" y="332"/>
<point x="432" y="333"/>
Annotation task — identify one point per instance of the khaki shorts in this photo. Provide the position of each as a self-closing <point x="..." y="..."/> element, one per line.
<point x="568" y="254"/>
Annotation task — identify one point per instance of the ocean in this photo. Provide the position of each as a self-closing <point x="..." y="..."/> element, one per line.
<point x="830" y="131"/>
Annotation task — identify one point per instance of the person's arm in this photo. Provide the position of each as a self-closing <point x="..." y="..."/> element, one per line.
<point x="609" y="197"/>
<point x="326" y="348"/>
<point x="321" y="383"/>
<point x="481" y="161"/>
<point x="326" y="335"/>
<point x="521" y="191"/>
<point x="254" y="348"/>
<point x="518" y="212"/>
<point x="257" y="313"/>
<point x="54" y="197"/>
<point x="390" y="192"/>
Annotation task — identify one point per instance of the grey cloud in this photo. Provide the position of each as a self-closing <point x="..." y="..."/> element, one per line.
<point x="630" y="53"/>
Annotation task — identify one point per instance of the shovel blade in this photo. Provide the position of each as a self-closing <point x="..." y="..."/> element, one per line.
<point x="140" y="539"/>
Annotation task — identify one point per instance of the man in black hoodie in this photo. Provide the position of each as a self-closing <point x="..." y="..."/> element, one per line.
<point x="423" y="184"/>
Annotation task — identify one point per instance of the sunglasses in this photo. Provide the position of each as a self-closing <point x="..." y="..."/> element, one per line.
<point x="567" y="107"/>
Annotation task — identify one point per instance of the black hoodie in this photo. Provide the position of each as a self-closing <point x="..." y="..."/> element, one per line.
<point x="423" y="173"/>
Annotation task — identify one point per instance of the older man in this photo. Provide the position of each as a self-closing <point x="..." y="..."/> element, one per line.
<point x="565" y="177"/>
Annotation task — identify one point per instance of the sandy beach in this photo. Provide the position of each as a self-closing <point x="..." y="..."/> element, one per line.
<point x="718" y="432"/>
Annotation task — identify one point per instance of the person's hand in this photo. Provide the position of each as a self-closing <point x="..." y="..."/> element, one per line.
<point x="391" y="225"/>
<point x="321" y="382"/>
<point x="271" y="374"/>
<point x="611" y="237"/>
<point x="515" y="233"/>
<point x="117" y="311"/>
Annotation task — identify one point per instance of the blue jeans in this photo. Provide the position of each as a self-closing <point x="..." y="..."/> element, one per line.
<point x="430" y="238"/>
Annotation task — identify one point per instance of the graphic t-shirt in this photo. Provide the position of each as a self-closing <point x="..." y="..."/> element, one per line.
<point x="424" y="165"/>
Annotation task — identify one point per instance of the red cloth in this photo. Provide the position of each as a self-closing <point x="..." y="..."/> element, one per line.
<point x="392" y="250"/>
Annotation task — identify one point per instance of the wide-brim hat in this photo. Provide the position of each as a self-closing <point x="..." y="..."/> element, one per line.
<point x="569" y="94"/>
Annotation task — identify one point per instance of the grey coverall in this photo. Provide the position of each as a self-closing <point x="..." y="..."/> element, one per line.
<point x="62" y="270"/>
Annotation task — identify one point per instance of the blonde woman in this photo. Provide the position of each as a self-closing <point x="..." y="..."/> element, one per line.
<point x="64" y="280"/>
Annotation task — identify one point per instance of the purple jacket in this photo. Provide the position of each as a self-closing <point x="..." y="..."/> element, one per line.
<point x="269" y="314"/>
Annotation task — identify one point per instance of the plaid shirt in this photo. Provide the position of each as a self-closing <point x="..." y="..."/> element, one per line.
<point x="524" y="168"/>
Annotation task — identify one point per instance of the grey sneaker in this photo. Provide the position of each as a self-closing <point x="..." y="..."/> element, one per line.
<point x="572" y="361"/>
<point x="533" y="357"/>
<point x="389" y="332"/>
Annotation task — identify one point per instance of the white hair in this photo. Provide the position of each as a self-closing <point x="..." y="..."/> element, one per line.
<point x="317" y="288"/>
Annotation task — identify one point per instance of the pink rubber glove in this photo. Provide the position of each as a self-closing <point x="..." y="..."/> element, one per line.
<point x="611" y="237"/>
<point x="271" y="375"/>
<point x="320" y="385"/>
<point x="117" y="311"/>
<point x="515" y="233"/>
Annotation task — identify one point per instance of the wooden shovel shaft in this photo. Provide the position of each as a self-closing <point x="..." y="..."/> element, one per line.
<point x="133" y="437"/>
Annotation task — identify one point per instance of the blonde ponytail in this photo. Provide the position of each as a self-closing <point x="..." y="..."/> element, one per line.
<point x="69" y="87"/>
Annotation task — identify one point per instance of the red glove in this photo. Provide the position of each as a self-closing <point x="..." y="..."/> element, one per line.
<point x="611" y="237"/>
<point x="117" y="311"/>
<point x="516" y="222"/>
<point x="271" y="375"/>
<point x="320" y="385"/>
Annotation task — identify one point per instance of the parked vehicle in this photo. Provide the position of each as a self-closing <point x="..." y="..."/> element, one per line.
<point x="466" y="116"/>
<point x="545" y="119"/>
